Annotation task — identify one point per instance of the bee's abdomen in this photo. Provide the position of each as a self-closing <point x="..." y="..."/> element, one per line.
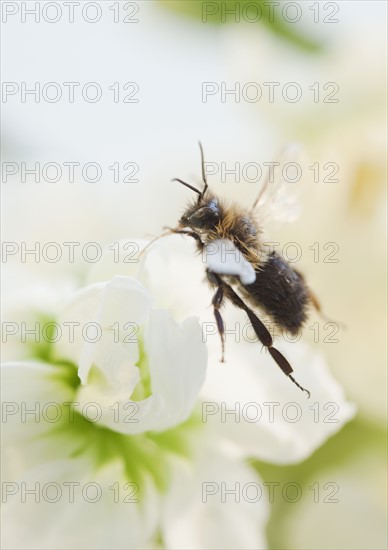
<point x="281" y="292"/>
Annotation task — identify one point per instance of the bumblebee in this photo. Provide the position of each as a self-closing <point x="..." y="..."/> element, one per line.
<point x="240" y="270"/>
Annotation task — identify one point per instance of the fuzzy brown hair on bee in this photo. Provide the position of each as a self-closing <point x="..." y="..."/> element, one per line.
<point x="256" y="280"/>
<point x="213" y="219"/>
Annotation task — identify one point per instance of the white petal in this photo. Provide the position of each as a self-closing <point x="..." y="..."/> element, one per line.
<point x="177" y="360"/>
<point x="253" y="385"/>
<point x="111" y="522"/>
<point x="32" y="394"/>
<point x="26" y="389"/>
<point x="200" y="514"/>
<point x="174" y="273"/>
<point x="118" y="308"/>
<point x="117" y="411"/>
<point x="28" y="303"/>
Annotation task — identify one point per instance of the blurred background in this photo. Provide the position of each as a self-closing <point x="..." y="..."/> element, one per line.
<point x="166" y="74"/>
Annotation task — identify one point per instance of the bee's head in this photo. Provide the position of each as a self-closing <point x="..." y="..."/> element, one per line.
<point x="204" y="214"/>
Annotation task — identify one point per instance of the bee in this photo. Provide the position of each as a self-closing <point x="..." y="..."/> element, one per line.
<point x="241" y="270"/>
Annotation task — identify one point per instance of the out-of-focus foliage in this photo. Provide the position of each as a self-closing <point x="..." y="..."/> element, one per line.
<point x="223" y="12"/>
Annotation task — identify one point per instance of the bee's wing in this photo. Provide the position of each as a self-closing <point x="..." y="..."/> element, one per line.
<point x="222" y="257"/>
<point x="278" y="198"/>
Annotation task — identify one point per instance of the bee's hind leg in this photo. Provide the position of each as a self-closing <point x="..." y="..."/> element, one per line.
<point x="260" y="329"/>
<point x="217" y="302"/>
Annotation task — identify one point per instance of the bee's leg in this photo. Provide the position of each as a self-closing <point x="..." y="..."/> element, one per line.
<point x="261" y="331"/>
<point x="189" y="233"/>
<point x="317" y="306"/>
<point x="217" y="302"/>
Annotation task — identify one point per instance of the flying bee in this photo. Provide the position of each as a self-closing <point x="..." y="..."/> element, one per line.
<point x="241" y="270"/>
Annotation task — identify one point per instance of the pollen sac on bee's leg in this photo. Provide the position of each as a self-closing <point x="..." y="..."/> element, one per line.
<point x="223" y="257"/>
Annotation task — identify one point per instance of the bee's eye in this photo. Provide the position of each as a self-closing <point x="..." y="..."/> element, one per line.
<point x="204" y="217"/>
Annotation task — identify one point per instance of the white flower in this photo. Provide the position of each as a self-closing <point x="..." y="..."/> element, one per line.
<point x="145" y="430"/>
<point x="95" y="486"/>
<point x="139" y="350"/>
<point x="72" y="484"/>
<point x="51" y="441"/>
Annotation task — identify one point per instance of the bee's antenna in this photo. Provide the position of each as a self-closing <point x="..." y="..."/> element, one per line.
<point x="204" y="179"/>
<point x="188" y="185"/>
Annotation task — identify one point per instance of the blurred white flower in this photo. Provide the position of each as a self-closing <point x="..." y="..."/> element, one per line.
<point x="125" y="413"/>
<point x="149" y="383"/>
<point x="70" y="503"/>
